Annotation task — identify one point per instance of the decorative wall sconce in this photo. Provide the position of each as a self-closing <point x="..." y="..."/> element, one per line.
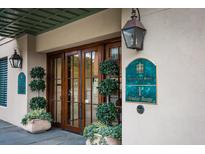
<point x="16" y="60"/>
<point x="134" y="32"/>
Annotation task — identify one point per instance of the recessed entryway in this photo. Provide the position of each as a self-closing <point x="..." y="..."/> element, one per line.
<point x="73" y="78"/>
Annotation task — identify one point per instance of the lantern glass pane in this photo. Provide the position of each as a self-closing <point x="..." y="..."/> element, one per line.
<point x="19" y="63"/>
<point x="139" y="37"/>
<point x="15" y="63"/>
<point x="129" y="35"/>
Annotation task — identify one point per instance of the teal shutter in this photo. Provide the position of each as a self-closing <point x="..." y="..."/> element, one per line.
<point x="3" y="81"/>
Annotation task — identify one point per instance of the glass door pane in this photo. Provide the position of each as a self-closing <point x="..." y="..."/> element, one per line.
<point x="95" y="65"/>
<point x="57" y="90"/>
<point x="72" y="78"/>
<point x="91" y="83"/>
<point x="88" y="59"/>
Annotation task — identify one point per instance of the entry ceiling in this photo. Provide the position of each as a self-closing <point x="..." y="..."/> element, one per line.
<point x="15" y="22"/>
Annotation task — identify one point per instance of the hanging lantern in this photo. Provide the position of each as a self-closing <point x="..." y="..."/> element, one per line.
<point x="134" y="32"/>
<point x="16" y="60"/>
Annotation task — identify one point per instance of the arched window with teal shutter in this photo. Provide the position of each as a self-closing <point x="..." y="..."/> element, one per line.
<point x="141" y="81"/>
<point x="21" y="83"/>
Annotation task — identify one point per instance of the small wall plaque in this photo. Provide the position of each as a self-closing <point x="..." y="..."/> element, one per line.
<point x="140" y="109"/>
<point x="21" y="83"/>
<point x="141" y="81"/>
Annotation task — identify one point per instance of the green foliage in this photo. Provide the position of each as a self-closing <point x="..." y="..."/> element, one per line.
<point x="106" y="113"/>
<point x="109" y="67"/>
<point x="111" y="131"/>
<point x="37" y="103"/>
<point x="37" y="72"/>
<point x="103" y="130"/>
<point x="36" y="114"/>
<point x="107" y="87"/>
<point x="92" y="129"/>
<point x="37" y="85"/>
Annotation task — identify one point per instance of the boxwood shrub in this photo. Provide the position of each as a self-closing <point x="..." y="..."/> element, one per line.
<point x="37" y="103"/>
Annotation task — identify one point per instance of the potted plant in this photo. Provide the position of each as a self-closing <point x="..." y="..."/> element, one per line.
<point x="101" y="134"/>
<point x="106" y="130"/>
<point x="37" y="120"/>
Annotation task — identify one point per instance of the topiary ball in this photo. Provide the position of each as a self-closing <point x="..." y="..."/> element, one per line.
<point x="37" y="85"/>
<point x="109" y="67"/>
<point x="37" y="103"/>
<point x="37" y="72"/>
<point x="106" y="113"/>
<point x="107" y="87"/>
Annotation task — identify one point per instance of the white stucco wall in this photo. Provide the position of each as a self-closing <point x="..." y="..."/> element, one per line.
<point x="17" y="104"/>
<point x="175" y="43"/>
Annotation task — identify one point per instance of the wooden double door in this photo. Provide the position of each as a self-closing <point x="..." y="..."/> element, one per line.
<point x="73" y="91"/>
<point x="72" y="87"/>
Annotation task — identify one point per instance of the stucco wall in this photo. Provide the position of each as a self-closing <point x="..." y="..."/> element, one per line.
<point x="17" y="104"/>
<point x="175" y="43"/>
<point x="100" y="26"/>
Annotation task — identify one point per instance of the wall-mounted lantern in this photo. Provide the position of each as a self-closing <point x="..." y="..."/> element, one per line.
<point x="134" y="32"/>
<point x="16" y="60"/>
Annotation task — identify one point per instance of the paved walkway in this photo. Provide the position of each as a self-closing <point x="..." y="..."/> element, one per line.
<point x="12" y="135"/>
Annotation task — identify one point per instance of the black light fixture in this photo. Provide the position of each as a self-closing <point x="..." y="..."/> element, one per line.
<point x="16" y="60"/>
<point x="134" y="32"/>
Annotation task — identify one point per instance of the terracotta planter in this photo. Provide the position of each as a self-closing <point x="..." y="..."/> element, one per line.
<point x="108" y="140"/>
<point x="37" y="126"/>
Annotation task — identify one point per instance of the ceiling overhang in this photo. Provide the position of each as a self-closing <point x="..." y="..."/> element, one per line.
<point x="15" y="22"/>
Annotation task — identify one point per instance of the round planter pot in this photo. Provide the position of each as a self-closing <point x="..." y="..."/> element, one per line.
<point x="112" y="141"/>
<point x="37" y="126"/>
<point x="108" y="140"/>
